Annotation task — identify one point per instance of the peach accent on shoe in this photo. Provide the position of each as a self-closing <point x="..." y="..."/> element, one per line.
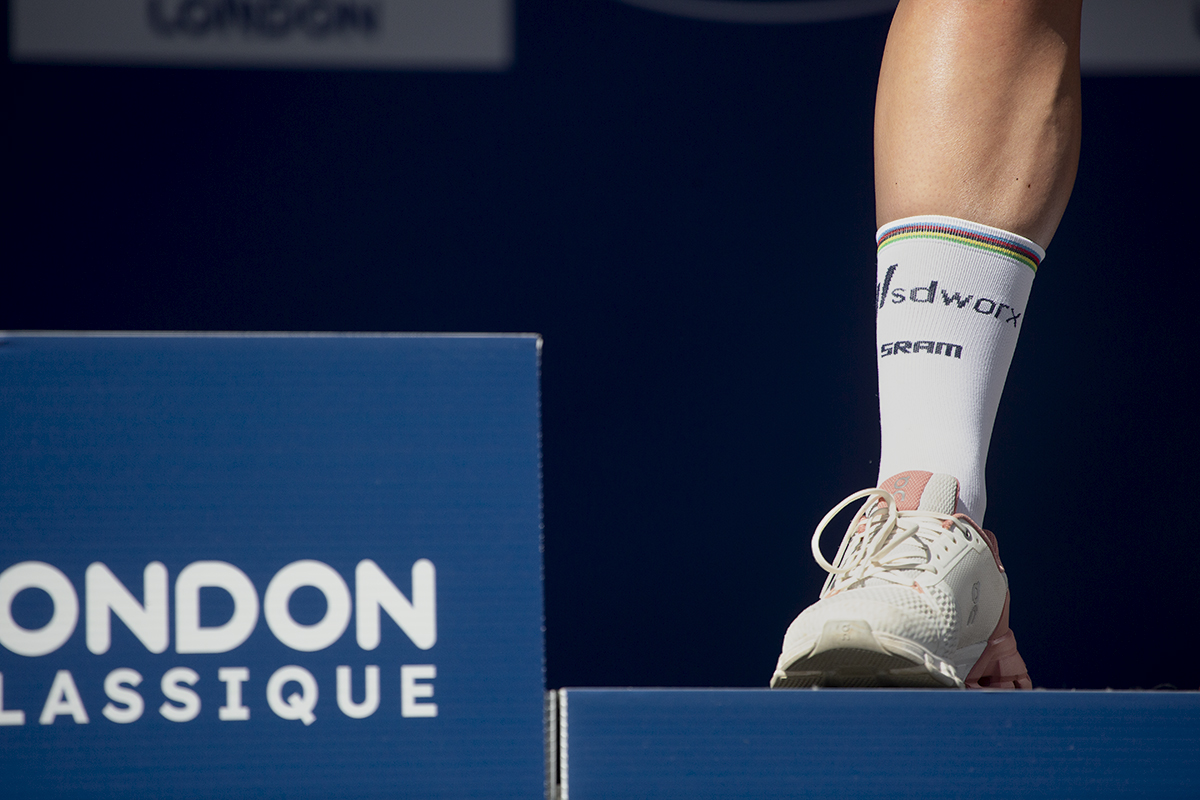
<point x="1000" y="666"/>
<point x="907" y="487"/>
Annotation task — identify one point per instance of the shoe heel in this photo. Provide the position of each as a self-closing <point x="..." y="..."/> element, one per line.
<point x="1000" y="666"/>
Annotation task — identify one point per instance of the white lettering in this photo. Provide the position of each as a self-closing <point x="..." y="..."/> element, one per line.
<point x="410" y="690"/>
<point x="233" y="677"/>
<point x="299" y="705"/>
<point x="51" y="636"/>
<point x="374" y="590"/>
<point x="189" y="636"/>
<point x="173" y="689"/>
<point x="148" y="621"/>
<point x="106" y="595"/>
<point x="345" y="693"/>
<point x="13" y="716"/>
<point x="63" y="698"/>
<point x="115" y="687"/>
<point x="319" y="635"/>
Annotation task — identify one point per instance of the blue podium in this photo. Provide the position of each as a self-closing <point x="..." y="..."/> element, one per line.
<point x="270" y="566"/>
<point x="759" y="743"/>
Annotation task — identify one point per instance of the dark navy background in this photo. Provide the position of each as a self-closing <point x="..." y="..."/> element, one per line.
<point x="684" y="210"/>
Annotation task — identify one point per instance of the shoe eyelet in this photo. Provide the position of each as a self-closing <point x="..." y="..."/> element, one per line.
<point x="967" y="535"/>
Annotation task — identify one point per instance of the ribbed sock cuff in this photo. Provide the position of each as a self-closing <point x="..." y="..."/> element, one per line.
<point x="965" y="233"/>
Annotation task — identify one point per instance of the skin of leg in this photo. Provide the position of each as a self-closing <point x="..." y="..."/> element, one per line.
<point x="978" y="113"/>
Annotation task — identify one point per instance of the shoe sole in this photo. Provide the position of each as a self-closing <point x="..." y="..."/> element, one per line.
<point x="856" y="669"/>
<point x="849" y="653"/>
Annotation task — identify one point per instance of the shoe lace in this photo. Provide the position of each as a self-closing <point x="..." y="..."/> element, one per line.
<point x="882" y="542"/>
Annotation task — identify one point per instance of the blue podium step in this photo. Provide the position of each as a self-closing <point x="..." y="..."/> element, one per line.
<point x="830" y="743"/>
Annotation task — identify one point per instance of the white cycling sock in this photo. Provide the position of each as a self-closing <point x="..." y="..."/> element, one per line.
<point x="949" y="300"/>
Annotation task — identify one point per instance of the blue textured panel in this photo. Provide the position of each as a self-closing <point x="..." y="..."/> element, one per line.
<point x="261" y="451"/>
<point x="880" y="743"/>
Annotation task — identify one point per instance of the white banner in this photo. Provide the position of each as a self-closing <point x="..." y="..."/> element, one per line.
<point x="357" y="34"/>
<point x="1119" y="36"/>
<point x="1123" y="37"/>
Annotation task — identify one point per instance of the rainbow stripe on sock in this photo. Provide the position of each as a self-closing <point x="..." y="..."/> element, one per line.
<point x="988" y="239"/>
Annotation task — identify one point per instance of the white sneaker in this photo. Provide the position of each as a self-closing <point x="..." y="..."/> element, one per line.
<point x="916" y="596"/>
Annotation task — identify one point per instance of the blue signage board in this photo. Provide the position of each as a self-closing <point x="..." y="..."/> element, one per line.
<point x="270" y="566"/>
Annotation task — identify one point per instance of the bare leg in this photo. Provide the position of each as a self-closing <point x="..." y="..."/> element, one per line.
<point x="978" y="113"/>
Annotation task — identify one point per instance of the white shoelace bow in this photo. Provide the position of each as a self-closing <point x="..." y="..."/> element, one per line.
<point x="869" y="548"/>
